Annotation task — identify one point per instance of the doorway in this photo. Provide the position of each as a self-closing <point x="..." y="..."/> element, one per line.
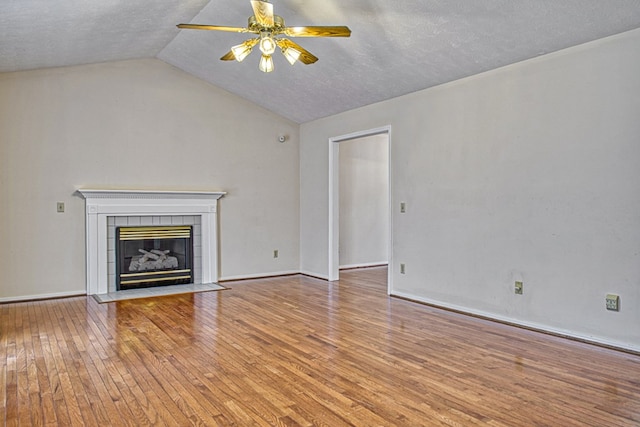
<point x="380" y="136"/>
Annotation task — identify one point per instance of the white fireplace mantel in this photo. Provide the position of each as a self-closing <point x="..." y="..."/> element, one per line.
<point x="103" y="203"/>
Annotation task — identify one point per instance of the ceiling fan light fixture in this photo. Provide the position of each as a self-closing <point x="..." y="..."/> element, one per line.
<point x="241" y="51"/>
<point x="267" y="44"/>
<point x="291" y="54"/>
<point x="266" y="64"/>
<point x="270" y="30"/>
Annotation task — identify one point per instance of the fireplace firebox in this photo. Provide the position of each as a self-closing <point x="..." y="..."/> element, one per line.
<point x="153" y="256"/>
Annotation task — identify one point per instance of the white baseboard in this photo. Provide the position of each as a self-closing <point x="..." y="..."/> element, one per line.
<point x="364" y="265"/>
<point x="529" y="325"/>
<point x="44" y="296"/>
<point x="315" y="275"/>
<point x="258" y="276"/>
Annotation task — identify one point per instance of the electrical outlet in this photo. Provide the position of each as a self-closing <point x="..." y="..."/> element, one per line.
<point x="403" y="207"/>
<point x="519" y="288"/>
<point x="275" y="253"/>
<point x="613" y="302"/>
<point x="402" y="269"/>
<point x="60" y="207"/>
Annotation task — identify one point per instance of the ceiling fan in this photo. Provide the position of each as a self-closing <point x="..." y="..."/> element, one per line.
<point x="270" y="30"/>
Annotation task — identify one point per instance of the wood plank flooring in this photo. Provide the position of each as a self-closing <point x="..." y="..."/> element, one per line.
<point x="296" y="351"/>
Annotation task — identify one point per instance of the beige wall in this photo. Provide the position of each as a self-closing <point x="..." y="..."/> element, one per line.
<point x="136" y="124"/>
<point x="530" y="172"/>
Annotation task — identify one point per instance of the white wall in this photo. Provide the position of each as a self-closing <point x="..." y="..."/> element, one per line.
<point x="530" y="172"/>
<point x="364" y="201"/>
<point x="94" y="125"/>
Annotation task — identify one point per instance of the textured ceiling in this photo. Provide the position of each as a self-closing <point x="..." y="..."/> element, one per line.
<point x="396" y="47"/>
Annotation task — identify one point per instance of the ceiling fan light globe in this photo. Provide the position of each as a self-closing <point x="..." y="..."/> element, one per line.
<point x="267" y="44"/>
<point x="291" y="54"/>
<point x="241" y="51"/>
<point x="266" y="64"/>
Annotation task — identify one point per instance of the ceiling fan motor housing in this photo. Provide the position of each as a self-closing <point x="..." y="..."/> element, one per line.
<point x="255" y="27"/>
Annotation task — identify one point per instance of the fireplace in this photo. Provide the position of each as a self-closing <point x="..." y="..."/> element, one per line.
<point x="153" y="256"/>
<point x="108" y="209"/>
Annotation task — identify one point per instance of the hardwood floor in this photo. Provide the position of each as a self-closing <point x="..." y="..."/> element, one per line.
<point x="296" y="351"/>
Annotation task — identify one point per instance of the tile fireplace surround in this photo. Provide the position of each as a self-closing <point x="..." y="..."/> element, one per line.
<point x="102" y="204"/>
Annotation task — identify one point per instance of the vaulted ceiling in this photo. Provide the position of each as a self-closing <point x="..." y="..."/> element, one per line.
<point x="396" y="47"/>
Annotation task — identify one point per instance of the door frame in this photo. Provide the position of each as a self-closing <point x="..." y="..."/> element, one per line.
<point x="334" y="198"/>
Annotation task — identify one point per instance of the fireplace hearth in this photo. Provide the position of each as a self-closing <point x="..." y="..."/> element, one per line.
<point x="153" y="256"/>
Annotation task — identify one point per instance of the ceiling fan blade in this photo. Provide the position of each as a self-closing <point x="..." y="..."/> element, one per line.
<point x="263" y="12"/>
<point x="306" y="57"/>
<point x="333" y="31"/>
<point x="213" y="27"/>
